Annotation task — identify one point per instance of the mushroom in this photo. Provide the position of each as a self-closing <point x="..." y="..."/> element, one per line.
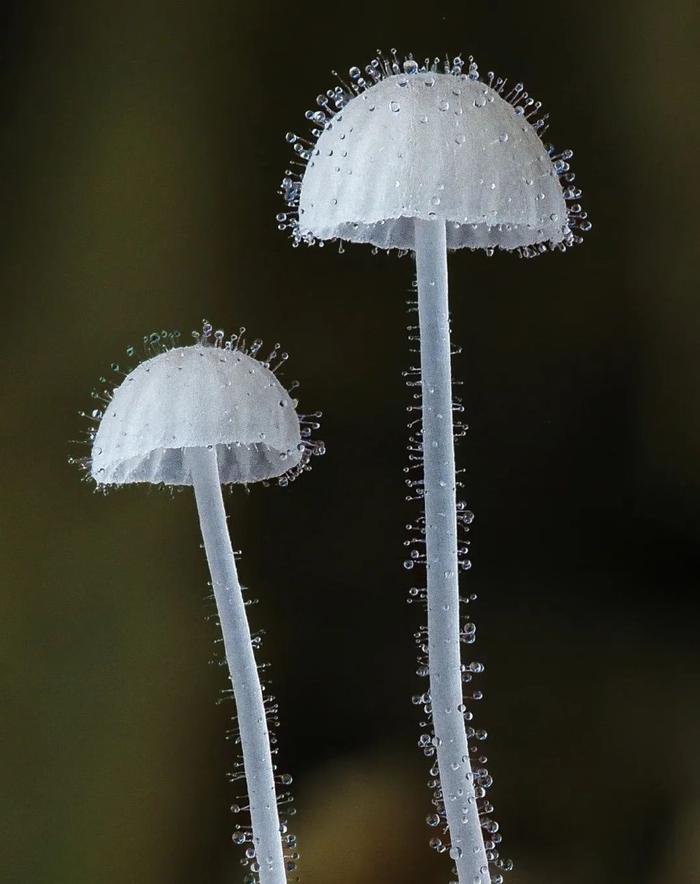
<point x="426" y="158"/>
<point x="206" y="415"/>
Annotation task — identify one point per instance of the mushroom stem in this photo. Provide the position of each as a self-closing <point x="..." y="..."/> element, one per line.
<point x="252" y="720"/>
<point x="456" y="778"/>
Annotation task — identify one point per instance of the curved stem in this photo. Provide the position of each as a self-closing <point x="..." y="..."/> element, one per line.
<point x="456" y="777"/>
<point x="252" y="721"/>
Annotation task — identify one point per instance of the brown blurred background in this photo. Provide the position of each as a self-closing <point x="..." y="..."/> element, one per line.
<point x="142" y="146"/>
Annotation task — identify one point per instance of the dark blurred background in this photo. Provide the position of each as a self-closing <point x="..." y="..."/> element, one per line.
<point x="142" y="146"/>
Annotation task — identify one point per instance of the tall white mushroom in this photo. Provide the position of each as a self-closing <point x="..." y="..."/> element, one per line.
<point x="207" y="415"/>
<point x="428" y="158"/>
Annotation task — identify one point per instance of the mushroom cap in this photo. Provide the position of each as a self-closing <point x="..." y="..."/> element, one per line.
<point x="432" y="146"/>
<point x="194" y="397"/>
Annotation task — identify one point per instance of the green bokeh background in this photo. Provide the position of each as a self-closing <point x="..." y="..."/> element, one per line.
<point x="142" y="144"/>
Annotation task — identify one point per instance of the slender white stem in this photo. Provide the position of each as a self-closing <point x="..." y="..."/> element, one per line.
<point x="456" y="777"/>
<point x="252" y="721"/>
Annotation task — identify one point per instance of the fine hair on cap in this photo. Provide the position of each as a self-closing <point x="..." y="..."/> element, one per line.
<point x="403" y="142"/>
<point x="212" y="394"/>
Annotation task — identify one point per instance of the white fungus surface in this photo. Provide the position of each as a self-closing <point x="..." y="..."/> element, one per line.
<point x="432" y="146"/>
<point x="197" y="397"/>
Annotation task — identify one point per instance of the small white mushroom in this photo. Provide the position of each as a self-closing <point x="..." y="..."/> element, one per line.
<point x="207" y="415"/>
<point x="429" y="158"/>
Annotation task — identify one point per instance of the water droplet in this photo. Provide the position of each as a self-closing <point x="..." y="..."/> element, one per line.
<point x="394" y="106"/>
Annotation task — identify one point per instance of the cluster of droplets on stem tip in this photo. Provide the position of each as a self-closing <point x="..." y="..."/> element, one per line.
<point x="158" y="342"/>
<point x="329" y="110"/>
<point x="471" y="694"/>
<point x="243" y="833"/>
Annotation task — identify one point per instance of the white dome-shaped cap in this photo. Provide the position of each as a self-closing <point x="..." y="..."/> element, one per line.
<point x="195" y="397"/>
<point x="432" y="145"/>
